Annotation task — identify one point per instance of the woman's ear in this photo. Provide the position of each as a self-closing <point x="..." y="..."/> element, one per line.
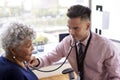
<point x="11" y="50"/>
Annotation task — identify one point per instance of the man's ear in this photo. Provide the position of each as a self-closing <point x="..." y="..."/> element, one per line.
<point x="88" y="25"/>
<point x="11" y="50"/>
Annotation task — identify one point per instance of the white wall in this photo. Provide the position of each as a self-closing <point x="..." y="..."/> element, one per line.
<point x="108" y="19"/>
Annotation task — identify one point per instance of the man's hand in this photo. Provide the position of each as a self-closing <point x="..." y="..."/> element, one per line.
<point x="33" y="62"/>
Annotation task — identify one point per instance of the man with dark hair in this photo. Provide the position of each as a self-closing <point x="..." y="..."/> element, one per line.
<point x="79" y="11"/>
<point x="92" y="57"/>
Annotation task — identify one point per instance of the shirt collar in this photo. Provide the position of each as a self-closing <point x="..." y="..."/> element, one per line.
<point x="86" y="40"/>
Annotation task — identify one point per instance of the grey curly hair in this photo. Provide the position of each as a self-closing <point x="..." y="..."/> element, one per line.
<point x="15" y="33"/>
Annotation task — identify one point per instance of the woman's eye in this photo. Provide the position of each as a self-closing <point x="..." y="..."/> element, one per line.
<point x="27" y="46"/>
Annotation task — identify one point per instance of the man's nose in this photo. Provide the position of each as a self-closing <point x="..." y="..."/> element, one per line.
<point x="71" y="31"/>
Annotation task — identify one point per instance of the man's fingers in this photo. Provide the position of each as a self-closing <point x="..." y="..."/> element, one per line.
<point x="31" y="62"/>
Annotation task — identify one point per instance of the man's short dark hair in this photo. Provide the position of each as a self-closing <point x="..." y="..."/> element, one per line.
<point x="79" y="11"/>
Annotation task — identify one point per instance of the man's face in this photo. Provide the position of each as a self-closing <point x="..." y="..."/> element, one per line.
<point x="78" y="28"/>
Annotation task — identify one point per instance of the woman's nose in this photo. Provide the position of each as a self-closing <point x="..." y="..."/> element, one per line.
<point x="32" y="48"/>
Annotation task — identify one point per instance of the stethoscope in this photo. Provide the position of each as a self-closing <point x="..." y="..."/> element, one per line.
<point x="72" y="45"/>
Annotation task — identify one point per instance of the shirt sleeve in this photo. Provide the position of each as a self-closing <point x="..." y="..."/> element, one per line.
<point x="60" y="51"/>
<point x="113" y="63"/>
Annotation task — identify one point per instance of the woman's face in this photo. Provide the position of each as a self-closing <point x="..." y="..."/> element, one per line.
<point x="24" y="51"/>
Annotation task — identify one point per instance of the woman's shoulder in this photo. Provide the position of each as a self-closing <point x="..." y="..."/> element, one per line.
<point x="9" y="71"/>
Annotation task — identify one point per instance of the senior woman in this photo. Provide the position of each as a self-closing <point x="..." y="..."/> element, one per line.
<point x="16" y="41"/>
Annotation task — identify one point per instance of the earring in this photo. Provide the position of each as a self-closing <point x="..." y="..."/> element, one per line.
<point x="14" y="57"/>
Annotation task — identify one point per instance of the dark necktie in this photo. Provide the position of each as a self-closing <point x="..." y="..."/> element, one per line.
<point x="81" y="58"/>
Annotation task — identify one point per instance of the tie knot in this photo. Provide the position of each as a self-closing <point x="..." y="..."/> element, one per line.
<point x="80" y="44"/>
<point x="80" y="47"/>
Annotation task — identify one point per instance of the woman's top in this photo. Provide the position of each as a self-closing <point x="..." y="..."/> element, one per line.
<point x="13" y="71"/>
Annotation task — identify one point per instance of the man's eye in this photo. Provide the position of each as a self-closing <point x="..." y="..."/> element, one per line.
<point x="75" y="28"/>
